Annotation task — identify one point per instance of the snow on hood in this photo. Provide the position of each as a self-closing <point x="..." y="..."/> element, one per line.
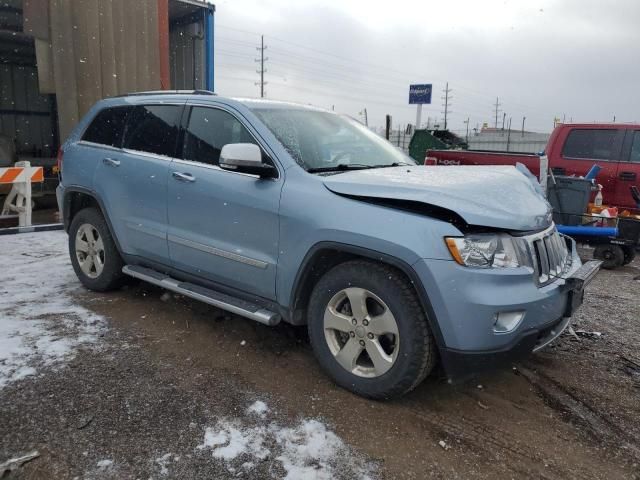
<point x="490" y="196"/>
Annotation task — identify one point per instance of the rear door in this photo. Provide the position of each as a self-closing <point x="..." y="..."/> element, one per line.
<point x="133" y="181"/>
<point x="223" y="226"/>
<point x="584" y="147"/>
<point x="629" y="169"/>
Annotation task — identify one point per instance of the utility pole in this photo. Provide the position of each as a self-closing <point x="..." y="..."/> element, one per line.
<point x="504" y="117"/>
<point x="366" y="117"/>
<point x="467" y="136"/>
<point x="446" y="103"/>
<point x="262" y="70"/>
<point x="523" y="119"/>
<point x="497" y="111"/>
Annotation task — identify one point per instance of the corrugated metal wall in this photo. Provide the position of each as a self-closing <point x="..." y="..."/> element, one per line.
<point x="91" y="49"/>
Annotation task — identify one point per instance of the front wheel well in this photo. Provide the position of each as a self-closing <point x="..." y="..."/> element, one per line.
<point x="320" y="262"/>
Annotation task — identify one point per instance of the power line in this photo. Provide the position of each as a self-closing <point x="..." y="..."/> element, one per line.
<point x="262" y="70"/>
<point x="497" y="111"/>
<point x="389" y="73"/>
<point x="447" y="103"/>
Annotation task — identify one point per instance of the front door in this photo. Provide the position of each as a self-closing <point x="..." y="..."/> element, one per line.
<point x="223" y="226"/>
<point x="629" y="170"/>
<point x="586" y="147"/>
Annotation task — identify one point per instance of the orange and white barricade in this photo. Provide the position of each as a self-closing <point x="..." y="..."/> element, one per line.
<point x="18" y="201"/>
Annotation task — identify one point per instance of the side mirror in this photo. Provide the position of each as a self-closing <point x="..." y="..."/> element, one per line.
<point x="245" y="158"/>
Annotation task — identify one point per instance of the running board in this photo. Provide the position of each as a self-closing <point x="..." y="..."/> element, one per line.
<point x="206" y="295"/>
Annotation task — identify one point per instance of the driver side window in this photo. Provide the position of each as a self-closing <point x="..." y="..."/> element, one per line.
<point x="208" y="130"/>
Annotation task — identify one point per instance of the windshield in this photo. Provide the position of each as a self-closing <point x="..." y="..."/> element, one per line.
<point x="324" y="141"/>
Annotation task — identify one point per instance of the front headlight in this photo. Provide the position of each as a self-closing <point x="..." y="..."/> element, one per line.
<point x="498" y="250"/>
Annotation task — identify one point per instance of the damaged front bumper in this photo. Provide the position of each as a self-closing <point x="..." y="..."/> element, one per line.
<point x="467" y="303"/>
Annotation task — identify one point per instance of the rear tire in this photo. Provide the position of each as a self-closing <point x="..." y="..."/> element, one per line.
<point x="93" y="252"/>
<point x="360" y="307"/>
<point x="629" y="254"/>
<point x="612" y="256"/>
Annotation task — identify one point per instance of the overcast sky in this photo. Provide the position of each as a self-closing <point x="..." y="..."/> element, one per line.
<point x="578" y="59"/>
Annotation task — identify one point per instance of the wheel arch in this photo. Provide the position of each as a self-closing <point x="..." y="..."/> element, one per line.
<point x="75" y="199"/>
<point x="325" y="255"/>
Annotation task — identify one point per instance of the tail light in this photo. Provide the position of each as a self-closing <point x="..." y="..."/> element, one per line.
<point x="430" y="161"/>
<point x="59" y="161"/>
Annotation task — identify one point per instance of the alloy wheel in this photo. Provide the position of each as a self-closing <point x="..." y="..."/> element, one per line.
<point x="361" y="332"/>
<point x="89" y="250"/>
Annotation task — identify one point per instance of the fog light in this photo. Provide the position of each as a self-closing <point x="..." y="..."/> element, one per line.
<point x="507" y="321"/>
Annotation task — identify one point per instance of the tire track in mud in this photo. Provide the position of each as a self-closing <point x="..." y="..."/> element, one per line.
<point x="598" y="425"/>
<point x="523" y="461"/>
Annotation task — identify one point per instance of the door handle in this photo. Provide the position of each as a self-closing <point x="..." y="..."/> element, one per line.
<point x="559" y="170"/>
<point x="184" y="177"/>
<point x="627" y="176"/>
<point x="111" y="162"/>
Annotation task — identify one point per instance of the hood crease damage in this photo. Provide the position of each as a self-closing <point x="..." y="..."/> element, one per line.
<point x="497" y="197"/>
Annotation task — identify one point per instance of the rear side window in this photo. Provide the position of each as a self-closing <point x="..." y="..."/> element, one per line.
<point x="210" y="129"/>
<point x="153" y="129"/>
<point x="590" y="144"/>
<point x="635" y="147"/>
<point x="107" y="127"/>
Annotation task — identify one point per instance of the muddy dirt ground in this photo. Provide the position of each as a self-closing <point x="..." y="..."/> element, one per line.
<point x="167" y="366"/>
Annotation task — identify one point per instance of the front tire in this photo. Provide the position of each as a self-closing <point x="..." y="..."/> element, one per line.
<point x="369" y="331"/>
<point x="612" y="256"/>
<point x="93" y="252"/>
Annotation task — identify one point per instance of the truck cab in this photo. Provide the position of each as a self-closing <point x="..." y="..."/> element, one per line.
<point x="574" y="148"/>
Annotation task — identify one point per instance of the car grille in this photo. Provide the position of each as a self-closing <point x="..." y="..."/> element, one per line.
<point x="550" y="255"/>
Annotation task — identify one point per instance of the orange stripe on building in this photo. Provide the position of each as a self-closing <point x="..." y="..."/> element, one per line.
<point x="10" y="175"/>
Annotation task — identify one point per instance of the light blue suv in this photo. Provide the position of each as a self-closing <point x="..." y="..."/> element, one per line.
<point x="277" y="211"/>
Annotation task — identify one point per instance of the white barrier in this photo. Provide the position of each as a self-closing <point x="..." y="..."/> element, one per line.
<point x="19" y="199"/>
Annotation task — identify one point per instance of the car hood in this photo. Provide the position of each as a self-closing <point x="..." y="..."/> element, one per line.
<point x="491" y="196"/>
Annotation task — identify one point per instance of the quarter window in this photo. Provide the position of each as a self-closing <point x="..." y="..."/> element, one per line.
<point x="210" y="129"/>
<point x="590" y="144"/>
<point x="153" y="129"/>
<point x="107" y="127"/>
<point x="635" y="147"/>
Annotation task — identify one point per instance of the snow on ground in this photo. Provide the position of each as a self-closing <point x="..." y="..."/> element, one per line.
<point x="41" y="324"/>
<point x="164" y="462"/>
<point x="306" y="451"/>
<point x="258" y="408"/>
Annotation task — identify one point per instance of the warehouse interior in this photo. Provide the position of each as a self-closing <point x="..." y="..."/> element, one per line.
<point x="58" y="57"/>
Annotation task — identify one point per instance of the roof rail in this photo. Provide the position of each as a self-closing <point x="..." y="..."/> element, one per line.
<point x="168" y="92"/>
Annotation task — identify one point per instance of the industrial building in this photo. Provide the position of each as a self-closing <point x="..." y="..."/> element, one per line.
<point x="501" y="140"/>
<point x="58" y="57"/>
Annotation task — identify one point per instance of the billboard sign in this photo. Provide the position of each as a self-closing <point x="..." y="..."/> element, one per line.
<point x="419" y="94"/>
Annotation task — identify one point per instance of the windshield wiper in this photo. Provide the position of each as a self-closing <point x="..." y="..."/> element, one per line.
<point x="394" y="164"/>
<point x="341" y="167"/>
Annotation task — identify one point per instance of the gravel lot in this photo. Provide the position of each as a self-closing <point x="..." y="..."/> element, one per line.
<point x="143" y="384"/>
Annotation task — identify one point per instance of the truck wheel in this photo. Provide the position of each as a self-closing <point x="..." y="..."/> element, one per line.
<point x="93" y="252"/>
<point x="612" y="256"/>
<point x="629" y="254"/>
<point x="368" y="330"/>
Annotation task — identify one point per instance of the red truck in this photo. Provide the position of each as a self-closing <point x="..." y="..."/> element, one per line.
<point x="573" y="149"/>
